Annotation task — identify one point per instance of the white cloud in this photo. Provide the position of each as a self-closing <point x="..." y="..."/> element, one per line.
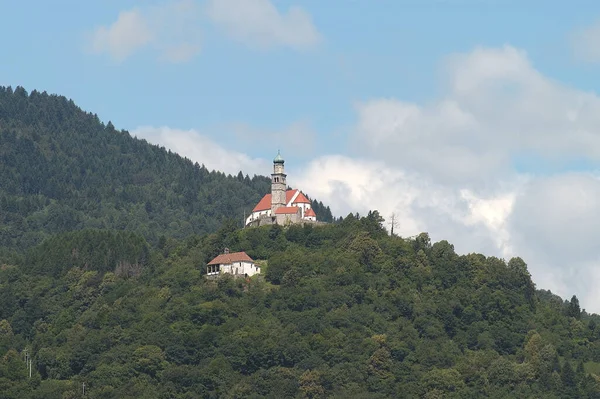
<point x="259" y="23"/>
<point x="171" y="29"/>
<point x="128" y="33"/>
<point x="586" y="43"/>
<point x="202" y="149"/>
<point x="496" y="106"/>
<point x="556" y="221"/>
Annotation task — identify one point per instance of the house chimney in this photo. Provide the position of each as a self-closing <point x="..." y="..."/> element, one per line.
<point x="226" y="250"/>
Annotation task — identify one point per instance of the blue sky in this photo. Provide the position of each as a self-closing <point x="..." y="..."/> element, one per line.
<point x="474" y="120"/>
<point x="393" y="49"/>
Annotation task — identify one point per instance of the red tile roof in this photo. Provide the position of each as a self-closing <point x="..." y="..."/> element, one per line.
<point x="289" y="194"/>
<point x="265" y="203"/>
<point x="301" y="199"/>
<point x="230" y="258"/>
<point x="310" y="212"/>
<point x="287" y="210"/>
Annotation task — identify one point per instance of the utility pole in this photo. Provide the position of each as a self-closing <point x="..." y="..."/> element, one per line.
<point x="27" y="362"/>
<point x="83" y="388"/>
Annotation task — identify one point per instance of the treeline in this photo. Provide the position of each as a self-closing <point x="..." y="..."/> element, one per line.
<point x="62" y="169"/>
<point x="341" y="311"/>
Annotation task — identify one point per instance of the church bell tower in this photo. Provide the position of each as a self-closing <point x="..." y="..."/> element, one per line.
<point x="278" y="184"/>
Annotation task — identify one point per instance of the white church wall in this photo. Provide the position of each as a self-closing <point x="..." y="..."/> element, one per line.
<point x="256" y="215"/>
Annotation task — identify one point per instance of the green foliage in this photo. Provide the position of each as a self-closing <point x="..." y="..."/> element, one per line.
<point x="124" y="253"/>
<point x="61" y="169"/>
<point x="104" y="241"/>
<point x="343" y="310"/>
<point x="573" y="309"/>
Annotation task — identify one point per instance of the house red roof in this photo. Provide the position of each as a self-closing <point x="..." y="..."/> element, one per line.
<point x="230" y="258"/>
<point x="289" y="194"/>
<point x="301" y="199"/>
<point x="265" y="203"/>
<point x="310" y="212"/>
<point x="287" y="210"/>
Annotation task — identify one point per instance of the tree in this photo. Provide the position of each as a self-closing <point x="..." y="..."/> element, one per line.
<point x="6" y="335"/>
<point x="568" y="376"/>
<point x="310" y="384"/>
<point x="393" y="223"/>
<point x="573" y="309"/>
<point x="149" y="359"/>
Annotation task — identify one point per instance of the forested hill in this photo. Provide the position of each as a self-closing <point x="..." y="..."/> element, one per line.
<point x="108" y="289"/>
<point x="341" y="311"/>
<point x="62" y="169"/>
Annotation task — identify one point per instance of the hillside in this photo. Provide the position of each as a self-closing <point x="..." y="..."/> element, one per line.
<point x="104" y="241"/>
<point x="62" y="169"/>
<point x="342" y="311"/>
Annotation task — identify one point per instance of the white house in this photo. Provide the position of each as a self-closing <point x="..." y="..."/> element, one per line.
<point x="239" y="264"/>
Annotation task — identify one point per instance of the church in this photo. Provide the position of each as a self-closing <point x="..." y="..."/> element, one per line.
<point x="282" y="206"/>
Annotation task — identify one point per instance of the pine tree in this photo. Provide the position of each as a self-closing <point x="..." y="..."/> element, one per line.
<point x="573" y="309"/>
<point x="568" y="376"/>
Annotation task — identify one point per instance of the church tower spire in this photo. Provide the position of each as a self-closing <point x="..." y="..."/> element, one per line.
<point x="278" y="184"/>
